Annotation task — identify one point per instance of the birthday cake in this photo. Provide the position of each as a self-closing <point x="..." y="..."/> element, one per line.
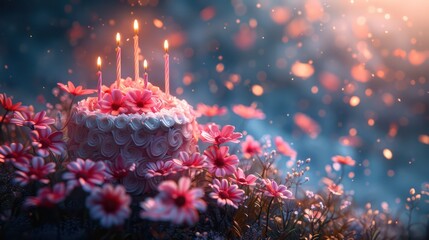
<point x="135" y="125"/>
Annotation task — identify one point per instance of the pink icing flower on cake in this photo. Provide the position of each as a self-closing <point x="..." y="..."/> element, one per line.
<point x="15" y="153"/>
<point x="240" y="178"/>
<point x="110" y="204"/>
<point x="76" y="91"/>
<point x="211" y="111"/>
<point x="250" y="147"/>
<point x="220" y="163"/>
<point x="140" y="101"/>
<point x="272" y="189"/>
<point x="284" y="148"/>
<point x="226" y="194"/>
<point x="178" y="203"/>
<point x="113" y="103"/>
<point x="248" y="112"/>
<point x="193" y="161"/>
<point x="212" y="134"/>
<point x="35" y="170"/>
<point x="159" y="168"/>
<point x="86" y="174"/>
<point x="38" y="121"/>
<point x="48" y="197"/>
<point x="45" y="141"/>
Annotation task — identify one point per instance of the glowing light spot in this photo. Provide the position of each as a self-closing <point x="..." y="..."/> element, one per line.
<point x="280" y="15"/>
<point x="360" y="73"/>
<point x="354" y="101"/>
<point x="388" y="99"/>
<point x="371" y="122"/>
<point x="253" y="23"/>
<point x="424" y="139"/>
<point x="368" y="92"/>
<point x="220" y="67"/>
<point x="353" y="132"/>
<point x="314" y="89"/>
<point x="188" y="78"/>
<point x="387" y="154"/>
<point x="416" y="58"/>
<point x="330" y="81"/>
<point x="179" y="91"/>
<point x="390" y="173"/>
<point x="393" y="130"/>
<point x="158" y="23"/>
<point x="207" y="13"/>
<point x="302" y="70"/>
<point x="258" y="90"/>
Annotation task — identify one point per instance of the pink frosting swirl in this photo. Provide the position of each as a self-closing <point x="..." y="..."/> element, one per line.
<point x="121" y="121"/>
<point x="141" y="169"/>
<point x="141" y="138"/>
<point x="95" y="137"/>
<point x="133" y="184"/>
<point x="131" y="153"/>
<point x="81" y="134"/>
<point x="121" y="136"/>
<point x="91" y="121"/>
<point x="105" y="123"/>
<point x="109" y="148"/>
<point x="158" y="148"/>
<point x="175" y="139"/>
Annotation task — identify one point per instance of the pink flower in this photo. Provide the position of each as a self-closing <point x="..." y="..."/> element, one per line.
<point x="48" y="197"/>
<point x="110" y="204"/>
<point x="76" y="91"/>
<point x="159" y="168"/>
<point x="248" y="112"/>
<point x="45" y="141"/>
<point x="343" y="160"/>
<point x="220" y="162"/>
<point x="86" y="174"/>
<point x="335" y="189"/>
<point x="226" y="194"/>
<point x="211" y="111"/>
<point x="8" y="105"/>
<point x="113" y="103"/>
<point x="212" y="134"/>
<point x="140" y="101"/>
<point x="35" y="170"/>
<point x="15" y="153"/>
<point x="118" y="169"/>
<point x="284" y="148"/>
<point x="193" y="161"/>
<point x="250" y="147"/>
<point x="178" y="203"/>
<point x="38" y="121"/>
<point x="272" y="189"/>
<point x="307" y="124"/>
<point x="240" y="178"/>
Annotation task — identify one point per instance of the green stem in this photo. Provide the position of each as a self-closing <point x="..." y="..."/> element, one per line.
<point x="268" y="217"/>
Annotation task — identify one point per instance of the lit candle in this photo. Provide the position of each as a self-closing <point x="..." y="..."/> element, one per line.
<point x="118" y="60"/>
<point x="100" y="80"/>
<point x="136" y="50"/>
<point x="166" y="68"/>
<point x="145" y="73"/>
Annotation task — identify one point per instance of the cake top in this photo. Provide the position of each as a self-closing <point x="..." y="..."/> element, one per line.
<point x="132" y="98"/>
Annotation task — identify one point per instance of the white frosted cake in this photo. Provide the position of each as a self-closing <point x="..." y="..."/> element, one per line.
<point x="139" y="124"/>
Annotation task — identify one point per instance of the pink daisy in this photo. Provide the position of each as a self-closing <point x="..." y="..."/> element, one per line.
<point x="76" y="91"/>
<point x="178" y="203"/>
<point x="193" y="161"/>
<point x="159" y="168"/>
<point x="110" y="204"/>
<point x="220" y="163"/>
<point x="211" y="111"/>
<point x="15" y="153"/>
<point x="45" y="141"/>
<point x="35" y="170"/>
<point x="343" y="160"/>
<point x="113" y="103"/>
<point x="8" y="105"/>
<point x="118" y="169"/>
<point x="212" y="134"/>
<point x="240" y="178"/>
<point x="272" y="189"/>
<point x="38" y="121"/>
<point x="226" y="194"/>
<point x="86" y="174"/>
<point x="250" y="147"/>
<point x="48" y="197"/>
<point x="140" y="101"/>
<point x="284" y="148"/>
<point x="248" y="112"/>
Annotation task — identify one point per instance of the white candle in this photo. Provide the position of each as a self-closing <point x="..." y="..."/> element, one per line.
<point x="136" y="50"/>
<point x="100" y="80"/>
<point x="118" y="61"/>
<point x="166" y="68"/>
<point x="146" y="77"/>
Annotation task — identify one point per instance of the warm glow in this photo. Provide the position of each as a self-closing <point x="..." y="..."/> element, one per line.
<point x="118" y="38"/>
<point x="136" y="26"/>
<point x="145" y="65"/>
<point x="354" y="101"/>
<point x="99" y="63"/>
<point x="387" y="153"/>
<point x="166" y="46"/>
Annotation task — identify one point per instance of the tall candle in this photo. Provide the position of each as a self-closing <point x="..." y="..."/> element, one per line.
<point x="145" y="73"/>
<point x="136" y="50"/>
<point x="166" y="68"/>
<point x="118" y="61"/>
<point x="100" y="80"/>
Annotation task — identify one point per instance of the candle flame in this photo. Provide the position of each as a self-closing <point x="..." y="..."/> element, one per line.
<point x="99" y="63"/>
<point x="118" y="38"/>
<point x="136" y="26"/>
<point x="166" y="46"/>
<point x="145" y="65"/>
